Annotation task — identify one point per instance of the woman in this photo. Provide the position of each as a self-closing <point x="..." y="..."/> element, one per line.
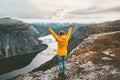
<point x="62" y="40"/>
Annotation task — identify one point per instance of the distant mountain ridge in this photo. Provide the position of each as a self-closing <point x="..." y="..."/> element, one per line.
<point x="43" y="27"/>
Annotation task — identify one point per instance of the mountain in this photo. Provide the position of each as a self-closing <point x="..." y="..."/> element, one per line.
<point x="81" y="32"/>
<point x="43" y="27"/>
<point x="19" y="44"/>
<point x="95" y="58"/>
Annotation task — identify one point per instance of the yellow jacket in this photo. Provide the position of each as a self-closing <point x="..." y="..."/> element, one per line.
<point x="62" y="41"/>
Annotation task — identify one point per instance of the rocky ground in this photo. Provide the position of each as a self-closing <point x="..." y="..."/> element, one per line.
<point x="96" y="58"/>
<point x="76" y="71"/>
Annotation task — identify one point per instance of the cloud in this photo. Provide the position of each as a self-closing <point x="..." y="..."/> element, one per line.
<point x="23" y="9"/>
<point x="60" y="9"/>
<point x="116" y="9"/>
<point x="95" y="11"/>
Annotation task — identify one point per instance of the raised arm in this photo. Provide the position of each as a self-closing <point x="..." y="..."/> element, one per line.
<point x="53" y="33"/>
<point x="69" y="31"/>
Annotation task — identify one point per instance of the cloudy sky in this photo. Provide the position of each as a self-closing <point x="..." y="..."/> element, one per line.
<point x="61" y="10"/>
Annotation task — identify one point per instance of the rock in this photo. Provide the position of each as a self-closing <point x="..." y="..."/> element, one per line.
<point x="90" y="76"/>
<point x="68" y="60"/>
<point x="112" y="55"/>
<point x="77" y="62"/>
<point x="106" y="53"/>
<point x="73" y="59"/>
<point x="87" y="65"/>
<point x="106" y="67"/>
<point x="28" y="78"/>
<point x="106" y="58"/>
<point x="73" y="56"/>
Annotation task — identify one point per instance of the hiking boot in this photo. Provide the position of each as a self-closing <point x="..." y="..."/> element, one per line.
<point x="61" y="74"/>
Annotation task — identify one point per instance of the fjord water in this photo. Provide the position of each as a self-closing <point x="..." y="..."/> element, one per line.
<point x="41" y="58"/>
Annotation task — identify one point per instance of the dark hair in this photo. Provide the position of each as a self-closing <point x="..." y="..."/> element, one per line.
<point x="62" y="32"/>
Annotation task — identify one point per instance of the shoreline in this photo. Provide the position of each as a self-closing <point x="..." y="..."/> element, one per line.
<point x="13" y="64"/>
<point x="40" y="59"/>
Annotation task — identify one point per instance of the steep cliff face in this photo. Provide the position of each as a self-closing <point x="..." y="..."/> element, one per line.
<point x="17" y="37"/>
<point x="83" y="31"/>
